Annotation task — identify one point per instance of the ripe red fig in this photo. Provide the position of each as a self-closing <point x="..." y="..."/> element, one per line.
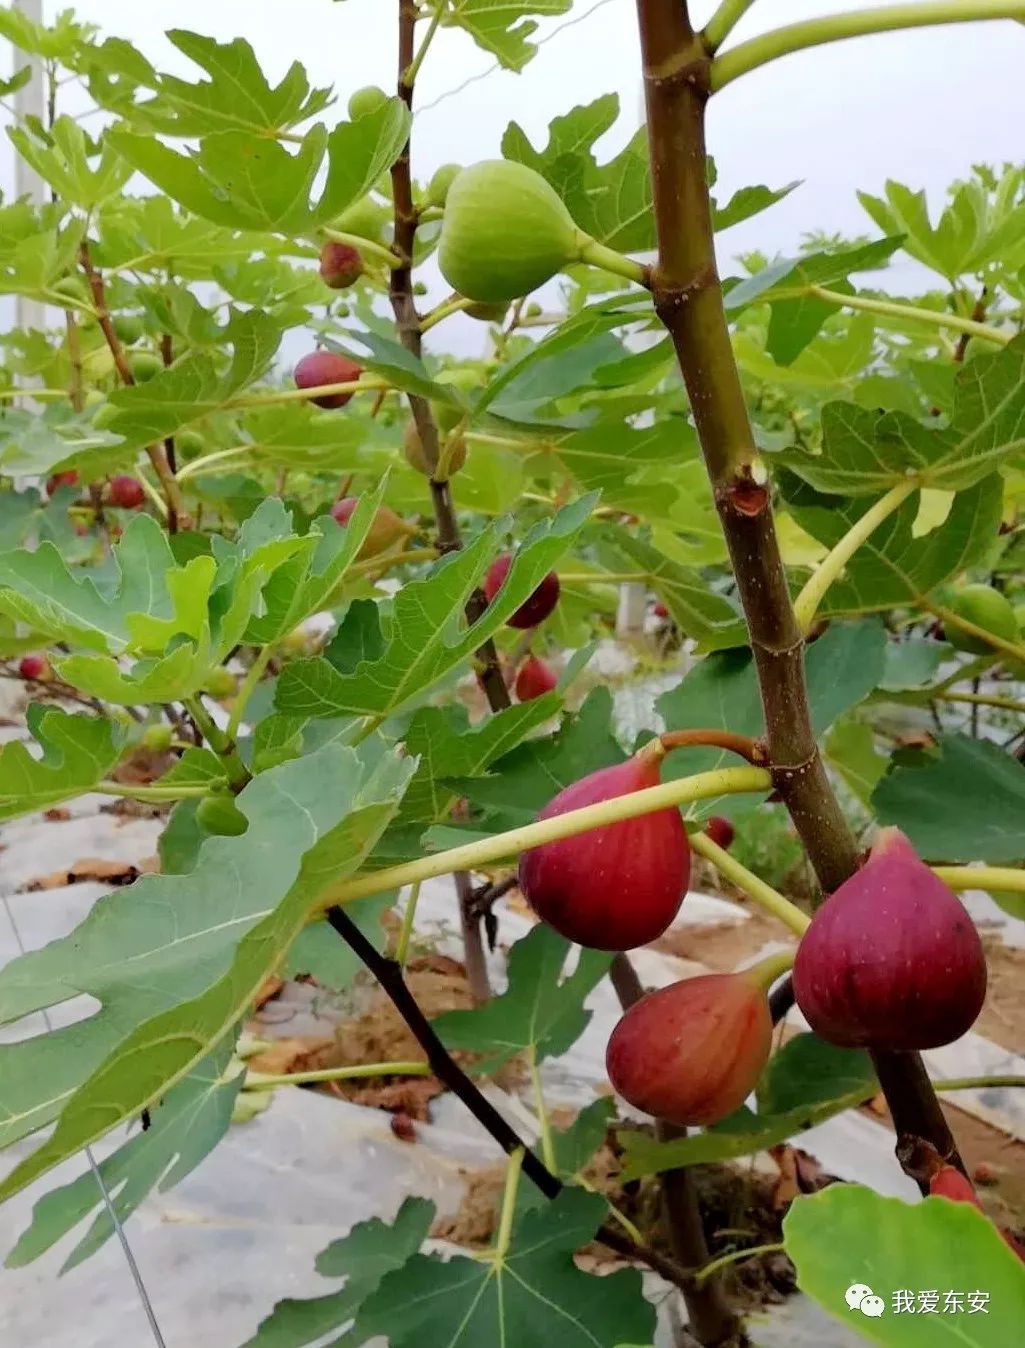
<point x="386" y="529"/>
<point x="891" y="960"/>
<point x="326" y="367"/>
<point x="341" y="265"/>
<point x="535" y="678"/>
<point x="659" y="609"/>
<point x="948" y="1182"/>
<point x="126" y="492"/>
<point x="66" y="479"/>
<point x="720" y="831"/>
<point x="691" y="1053"/>
<point x="537" y="607"/>
<point x="34" y="667"/>
<point x="616" y="886"/>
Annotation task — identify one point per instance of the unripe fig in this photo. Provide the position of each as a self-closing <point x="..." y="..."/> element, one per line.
<point x="534" y="679"/>
<point x="365" y="217"/>
<point x="537" y="607"/>
<point x="505" y="232"/>
<point x="157" y="738"/>
<point x="69" y="478"/>
<point x="691" y="1053"/>
<point x="616" y="886"/>
<point x="986" y="608"/>
<point x="94" y="398"/>
<point x="720" y="831"/>
<point x="219" y="814"/>
<point x="341" y="265"/>
<point x="487" y="313"/>
<point x="891" y="959"/>
<point x="34" y="667"/>
<point x="104" y="416"/>
<point x="220" y="682"/>
<point x="441" y="181"/>
<point x="387" y="528"/>
<point x="126" y="492"/>
<point x="413" y="449"/>
<point x="128" y="328"/>
<point x="144" y="365"/>
<point x="188" y="444"/>
<point x="326" y="367"/>
<point x="73" y="288"/>
<point x="366" y="101"/>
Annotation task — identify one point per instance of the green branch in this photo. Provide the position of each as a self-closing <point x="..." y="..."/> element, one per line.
<point x="1004" y="879"/>
<point x="363" y="245"/>
<point x="596" y="254"/>
<point x="723" y="21"/>
<point x="483" y="853"/>
<point x="266" y="1081"/>
<point x="806" y="605"/>
<point x="758" y="51"/>
<point x="892" y="309"/>
<point x="770" y="899"/>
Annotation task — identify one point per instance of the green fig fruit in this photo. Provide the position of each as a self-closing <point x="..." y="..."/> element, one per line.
<point x="220" y="682"/>
<point x="157" y="738"/>
<point x="366" y="101"/>
<point x="487" y="313"/>
<point x="441" y="180"/>
<point x="505" y="232"/>
<point x="412" y="448"/>
<point x="188" y="444"/>
<point x="219" y="814"/>
<point x="104" y="416"/>
<point x="365" y="218"/>
<point x="128" y="328"/>
<point x="73" y="288"/>
<point x="144" y="365"/>
<point x="986" y="608"/>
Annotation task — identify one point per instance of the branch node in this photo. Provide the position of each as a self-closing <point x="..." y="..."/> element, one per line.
<point x="671" y="298"/>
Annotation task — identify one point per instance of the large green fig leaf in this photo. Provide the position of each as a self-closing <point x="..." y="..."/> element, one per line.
<point x="501" y="27"/>
<point x="78" y="752"/>
<point x="175" y="960"/>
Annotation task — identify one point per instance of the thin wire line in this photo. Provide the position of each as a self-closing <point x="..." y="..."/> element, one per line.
<point x="126" y="1248"/>
<point x="475" y="79"/>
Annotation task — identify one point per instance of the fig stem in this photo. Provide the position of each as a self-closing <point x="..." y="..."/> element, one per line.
<point x="976" y="1083"/>
<point x="223" y="746"/>
<point x="406" y="931"/>
<point x="246" y="689"/>
<point x="455" y="305"/>
<point x="758" y="51"/>
<point x="367" y="246"/>
<point x="200" y="465"/>
<point x="770" y="899"/>
<point x="983" y="700"/>
<point x="947" y="615"/>
<point x="766" y="971"/>
<point x="735" y="1257"/>
<point x="298" y="395"/>
<point x="485" y="852"/>
<point x="1004" y="879"/>
<point x="505" y="1223"/>
<point x="807" y="603"/>
<point x="751" y="749"/>
<point x="547" y="1145"/>
<point x="723" y="21"/>
<point x="969" y="327"/>
<point x="135" y="792"/>
<point x="268" y="1081"/>
<point x="597" y="254"/>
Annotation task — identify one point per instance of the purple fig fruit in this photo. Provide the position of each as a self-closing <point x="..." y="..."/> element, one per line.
<point x="891" y="960"/>
<point x="616" y="886"/>
<point x="536" y="607"/>
<point x="691" y="1053"/>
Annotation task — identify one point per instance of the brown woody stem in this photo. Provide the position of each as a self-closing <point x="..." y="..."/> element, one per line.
<point x="168" y="482"/>
<point x="751" y="749"/>
<point x="688" y="299"/>
<point x="410" y="330"/>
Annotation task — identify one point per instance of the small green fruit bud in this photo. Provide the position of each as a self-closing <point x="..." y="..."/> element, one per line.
<point x="366" y="101"/>
<point x="219" y="814"/>
<point x="986" y="608"/>
<point x="188" y="444"/>
<point x="73" y="288"/>
<point x="419" y="288"/>
<point x="157" y="738"/>
<point x="442" y="180"/>
<point x="220" y="682"/>
<point x="505" y="232"/>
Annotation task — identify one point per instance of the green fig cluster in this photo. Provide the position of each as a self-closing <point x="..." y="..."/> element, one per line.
<point x="505" y="232"/>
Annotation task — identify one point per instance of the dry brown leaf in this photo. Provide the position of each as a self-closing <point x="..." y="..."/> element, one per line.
<point x="270" y="987"/>
<point x="87" y="868"/>
<point x="284" y="1056"/>
<point x="57" y="814"/>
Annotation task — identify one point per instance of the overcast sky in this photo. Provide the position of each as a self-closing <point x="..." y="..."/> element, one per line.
<point x="920" y="106"/>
